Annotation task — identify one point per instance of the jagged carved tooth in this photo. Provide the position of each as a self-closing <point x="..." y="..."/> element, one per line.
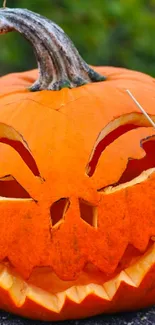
<point x="112" y="286"/>
<point x="43" y="298"/>
<point x="97" y="290"/>
<point x="18" y="291"/>
<point x="79" y="293"/>
<point x="61" y="299"/>
<point x="6" y="279"/>
<point x="138" y="271"/>
<point x="74" y="294"/>
<point x="82" y="292"/>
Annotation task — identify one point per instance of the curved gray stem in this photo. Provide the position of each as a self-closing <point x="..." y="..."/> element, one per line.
<point x="60" y="64"/>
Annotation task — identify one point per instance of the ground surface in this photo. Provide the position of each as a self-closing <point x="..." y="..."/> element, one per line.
<point x="146" y="317"/>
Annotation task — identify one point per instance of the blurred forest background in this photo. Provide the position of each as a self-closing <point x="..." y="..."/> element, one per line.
<point x="106" y="32"/>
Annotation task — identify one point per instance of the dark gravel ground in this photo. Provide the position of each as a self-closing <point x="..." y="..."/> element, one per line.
<point x="146" y="317"/>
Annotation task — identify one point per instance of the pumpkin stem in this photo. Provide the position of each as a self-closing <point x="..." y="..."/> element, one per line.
<point x="60" y="65"/>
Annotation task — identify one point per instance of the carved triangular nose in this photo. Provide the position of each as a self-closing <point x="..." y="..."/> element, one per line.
<point x="88" y="212"/>
<point x="58" y="211"/>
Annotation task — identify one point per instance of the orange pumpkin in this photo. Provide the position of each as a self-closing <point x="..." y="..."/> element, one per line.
<point x="77" y="182"/>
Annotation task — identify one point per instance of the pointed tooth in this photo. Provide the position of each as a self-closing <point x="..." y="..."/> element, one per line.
<point x="18" y="291"/>
<point x="79" y="293"/>
<point x="82" y="292"/>
<point x="97" y="290"/>
<point x="112" y="286"/>
<point x="61" y="299"/>
<point x="138" y="271"/>
<point x="6" y="279"/>
<point x="73" y="294"/>
<point x="43" y="298"/>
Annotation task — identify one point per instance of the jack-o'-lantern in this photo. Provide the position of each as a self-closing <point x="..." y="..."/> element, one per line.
<point x="77" y="182"/>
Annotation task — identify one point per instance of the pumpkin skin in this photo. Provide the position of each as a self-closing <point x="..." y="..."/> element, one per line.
<point x="74" y="269"/>
<point x="76" y="196"/>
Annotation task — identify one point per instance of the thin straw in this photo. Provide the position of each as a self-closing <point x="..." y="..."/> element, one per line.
<point x="141" y="108"/>
<point x="4" y="4"/>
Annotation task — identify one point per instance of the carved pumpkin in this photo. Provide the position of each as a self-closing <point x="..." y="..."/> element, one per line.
<point x="77" y="182"/>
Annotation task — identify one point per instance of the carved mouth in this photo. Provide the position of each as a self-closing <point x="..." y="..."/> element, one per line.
<point x="46" y="291"/>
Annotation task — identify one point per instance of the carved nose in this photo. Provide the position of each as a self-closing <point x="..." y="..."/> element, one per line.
<point x="58" y="211"/>
<point x="87" y="212"/>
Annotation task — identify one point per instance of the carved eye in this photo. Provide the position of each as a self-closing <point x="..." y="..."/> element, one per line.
<point x="9" y="186"/>
<point x="137" y="170"/>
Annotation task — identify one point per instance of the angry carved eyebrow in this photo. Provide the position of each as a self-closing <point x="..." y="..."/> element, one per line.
<point x="9" y="136"/>
<point x="113" y="131"/>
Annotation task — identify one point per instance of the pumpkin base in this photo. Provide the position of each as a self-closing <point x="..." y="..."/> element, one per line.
<point x="132" y="288"/>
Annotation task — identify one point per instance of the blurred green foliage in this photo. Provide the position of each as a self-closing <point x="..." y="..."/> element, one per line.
<point x="106" y="32"/>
